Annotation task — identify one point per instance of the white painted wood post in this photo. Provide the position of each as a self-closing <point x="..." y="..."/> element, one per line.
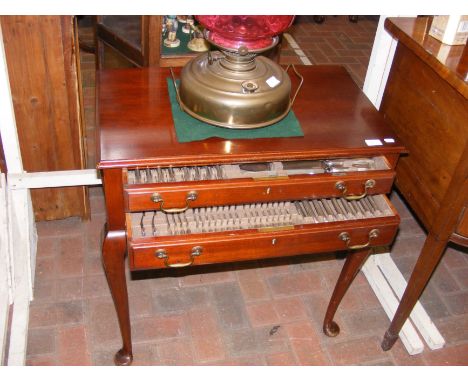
<point x="22" y="236"/>
<point x="380" y="63"/>
<point x="6" y="296"/>
<point x="408" y="335"/>
<point x="8" y="131"/>
<point x="23" y="240"/>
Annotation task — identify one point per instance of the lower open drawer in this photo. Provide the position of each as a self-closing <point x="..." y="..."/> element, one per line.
<point x="262" y="230"/>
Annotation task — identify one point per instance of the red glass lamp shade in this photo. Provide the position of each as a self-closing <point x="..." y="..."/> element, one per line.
<point x="254" y="32"/>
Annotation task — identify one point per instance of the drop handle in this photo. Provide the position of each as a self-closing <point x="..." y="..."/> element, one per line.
<point x="344" y="236"/>
<point x="162" y="254"/>
<point x="157" y="198"/>
<point x="341" y="186"/>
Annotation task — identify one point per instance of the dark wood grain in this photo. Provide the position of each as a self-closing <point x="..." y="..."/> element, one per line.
<point x="353" y="264"/>
<point x="44" y="80"/>
<point x="113" y="258"/>
<point x="151" y="30"/>
<point x="135" y="39"/>
<point x="119" y="43"/>
<point x="429" y="116"/>
<point x="238" y="191"/>
<point x="137" y="128"/>
<point x="462" y="226"/>
<point x="114" y="197"/>
<point x="449" y="62"/>
<point x="426" y="103"/>
<point x="113" y="255"/>
<point x="244" y="245"/>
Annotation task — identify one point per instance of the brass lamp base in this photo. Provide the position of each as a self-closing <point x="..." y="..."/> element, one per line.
<point x="235" y="90"/>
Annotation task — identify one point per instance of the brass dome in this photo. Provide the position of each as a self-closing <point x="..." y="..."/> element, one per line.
<point x="236" y="90"/>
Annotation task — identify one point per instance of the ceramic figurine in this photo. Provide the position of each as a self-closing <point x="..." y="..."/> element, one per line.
<point x="171" y="41"/>
<point x="189" y="22"/>
<point x="197" y="43"/>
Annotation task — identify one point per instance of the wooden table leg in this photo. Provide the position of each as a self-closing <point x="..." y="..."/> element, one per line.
<point x="113" y="259"/>
<point x="352" y="265"/>
<point x="428" y="259"/>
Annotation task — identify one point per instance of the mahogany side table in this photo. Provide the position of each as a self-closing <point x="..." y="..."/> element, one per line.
<point x="172" y="204"/>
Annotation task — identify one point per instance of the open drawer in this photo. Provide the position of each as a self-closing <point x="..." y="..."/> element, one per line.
<point x="254" y="231"/>
<point x="179" y="188"/>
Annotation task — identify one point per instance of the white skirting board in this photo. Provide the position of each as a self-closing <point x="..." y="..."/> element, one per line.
<point x="389" y="302"/>
<point x="6" y="297"/>
<point x="88" y="177"/>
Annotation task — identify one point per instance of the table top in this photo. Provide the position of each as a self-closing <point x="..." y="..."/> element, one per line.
<point x="449" y="61"/>
<point x="135" y="126"/>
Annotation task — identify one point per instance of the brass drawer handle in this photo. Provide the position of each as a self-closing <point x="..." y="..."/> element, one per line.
<point x="157" y="198"/>
<point x="162" y="254"/>
<point x="340" y="185"/>
<point x="347" y="239"/>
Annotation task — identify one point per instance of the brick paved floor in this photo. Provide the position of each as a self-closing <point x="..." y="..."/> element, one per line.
<point x="257" y="313"/>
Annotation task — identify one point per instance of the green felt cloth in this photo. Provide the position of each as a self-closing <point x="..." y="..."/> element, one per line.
<point x="190" y="129"/>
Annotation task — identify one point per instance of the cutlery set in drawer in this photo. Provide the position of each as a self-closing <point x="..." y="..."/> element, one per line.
<point x="179" y="216"/>
<point x="175" y="189"/>
<point x="256" y="216"/>
<point x="253" y="170"/>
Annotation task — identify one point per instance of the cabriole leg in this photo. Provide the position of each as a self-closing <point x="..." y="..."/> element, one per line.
<point x="113" y="259"/>
<point x="352" y="265"/>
